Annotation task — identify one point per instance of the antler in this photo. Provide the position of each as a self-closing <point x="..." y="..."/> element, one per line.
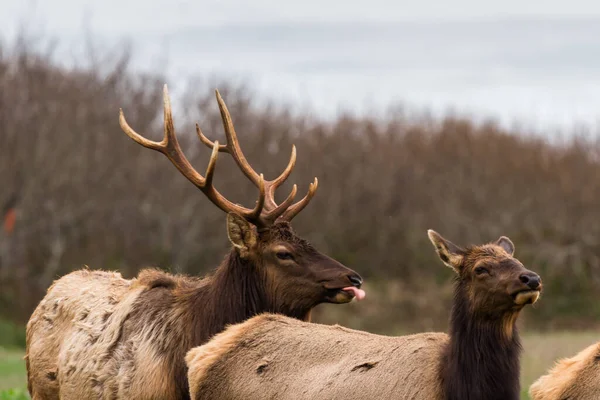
<point x="266" y="211"/>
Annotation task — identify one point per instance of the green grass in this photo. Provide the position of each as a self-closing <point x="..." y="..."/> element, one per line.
<point x="540" y="353"/>
<point x="14" y="394"/>
<point x="13" y="383"/>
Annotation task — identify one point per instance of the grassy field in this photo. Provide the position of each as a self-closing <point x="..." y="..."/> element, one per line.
<point x="541" y="350"/>
<point x="13" y="383"/>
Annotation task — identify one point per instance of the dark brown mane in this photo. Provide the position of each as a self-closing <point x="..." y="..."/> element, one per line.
<point x="481" y="361"/>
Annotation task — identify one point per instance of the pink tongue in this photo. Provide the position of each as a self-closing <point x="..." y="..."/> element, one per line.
<point x="359" y="294"/>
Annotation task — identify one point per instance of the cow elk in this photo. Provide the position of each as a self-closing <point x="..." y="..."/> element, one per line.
<point x="576" y="378"/>
<point x="274" y="357"/>
<point x="96" y="335"/>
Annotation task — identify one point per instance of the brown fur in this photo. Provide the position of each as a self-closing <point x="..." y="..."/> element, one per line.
<point x="576" y="378"/>
<point x="274" y="357"/>
<point x="96" y="335"/>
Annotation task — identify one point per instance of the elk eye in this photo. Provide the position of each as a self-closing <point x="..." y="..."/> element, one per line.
<point x="284" y="255"/>
<point x="481" y="270"/>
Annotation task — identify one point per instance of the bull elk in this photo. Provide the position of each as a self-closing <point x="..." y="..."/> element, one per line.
<point x="96" y="335"/>
<point x="274" y="357"/>
<point x="577" y="378"/>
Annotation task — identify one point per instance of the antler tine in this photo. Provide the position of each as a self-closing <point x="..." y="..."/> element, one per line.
<point x="287" y="171"/>
<point x="150" y="144"/>
<point x="260" y="203"/>
<point x="292" y="211"/>
<point x="212" y="163"/>
<point x="275" y="183"/>
<point x="232" y="142"/>
<point x="168" y="126"/>
<point x="169" y="146"/>
<point x="280" y="209"/>
<point x="208" y="142"/>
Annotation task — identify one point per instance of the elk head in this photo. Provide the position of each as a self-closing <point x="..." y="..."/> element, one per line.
<point x="491" y="279"/>
<point x="262" y="237"/>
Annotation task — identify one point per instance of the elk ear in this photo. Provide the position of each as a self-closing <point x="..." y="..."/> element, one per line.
<point x="241" y="234"/>
<point x="451" y="254"/>
<point x="506" y="244"/>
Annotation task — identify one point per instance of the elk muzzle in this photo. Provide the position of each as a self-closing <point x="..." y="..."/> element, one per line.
<point x="346" y="290"/>
<point x="528" y="289"/>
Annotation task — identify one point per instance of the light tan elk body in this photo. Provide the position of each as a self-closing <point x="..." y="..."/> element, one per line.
<point x="274" y="357"/>
<point x="576" y="378"/>
<point x="96" y="335"/>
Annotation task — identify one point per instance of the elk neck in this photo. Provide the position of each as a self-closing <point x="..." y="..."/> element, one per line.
<point x="238" y="290"/>
<point x="481" y="360"/>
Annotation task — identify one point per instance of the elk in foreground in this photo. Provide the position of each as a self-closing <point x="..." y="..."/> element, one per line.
<point x="274" y="357"/>
<point x="576" y="378"/>
<point x="96" y="335"/>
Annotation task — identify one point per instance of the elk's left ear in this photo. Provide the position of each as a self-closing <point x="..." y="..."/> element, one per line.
<point x="506" y="244"/>
<point x="241" y="234"/>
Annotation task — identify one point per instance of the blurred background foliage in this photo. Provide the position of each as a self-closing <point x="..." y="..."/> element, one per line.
<point x="76" y="191"/>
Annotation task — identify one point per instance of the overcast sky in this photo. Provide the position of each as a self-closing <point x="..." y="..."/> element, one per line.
<point x="131" y="16"/>
<point x="536" y="61"/>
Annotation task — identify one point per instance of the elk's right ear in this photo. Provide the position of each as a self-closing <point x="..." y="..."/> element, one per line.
<point x="241" y="234"/>
<point x="451" y="254"/>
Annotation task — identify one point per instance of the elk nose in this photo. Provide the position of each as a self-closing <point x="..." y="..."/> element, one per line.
<point x="356" y="280"/>
<point x="530" y="279"/>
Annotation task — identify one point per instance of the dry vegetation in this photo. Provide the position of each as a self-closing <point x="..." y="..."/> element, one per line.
<point x="88" y="195"/>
